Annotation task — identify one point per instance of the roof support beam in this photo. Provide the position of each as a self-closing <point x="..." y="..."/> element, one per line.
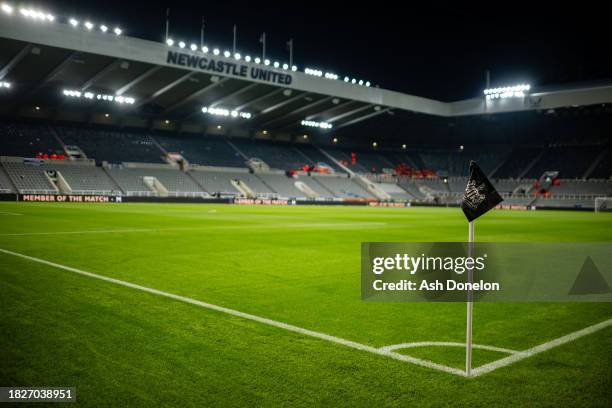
<point x="110" y="67"/>
<point x="15" y="60"/>
<point x="52" y="74"/>
<point x="163" y="90"/>
<point x="138" y="80"/>
<point x="284" y="103"/>
<point x="233" y="94"/>
<point x="362" y="118"/>
<point x="314" y="115"/>
<point x="349" y="113"/>
<point x="260" y="98"/>
<point x="302" y="109"/>
<point x="195" y="95"/>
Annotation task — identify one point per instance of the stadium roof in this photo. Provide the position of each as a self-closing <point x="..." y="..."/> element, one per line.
<point x="43" y="60"/>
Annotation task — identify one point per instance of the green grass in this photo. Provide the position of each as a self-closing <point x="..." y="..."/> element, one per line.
<point x="299" y="265"/>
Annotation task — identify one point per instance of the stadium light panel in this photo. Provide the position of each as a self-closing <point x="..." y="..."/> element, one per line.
<point x="247" y="58"/>
<point x="103" y="28"/>
<point x="257" y="60"/>
<point x="193" y="47"/>
<point x="353" y="81"/>
<point x="170" y="42"/>
<point x="404" y="146"/>
<point x="182" y="44"/>
<point x="4" y="84"/>
<point x="89" y="25"/>
<point x="374" y="144"/>
<point x="225" y="112"/>
<point x="117" y="31"/>
<point x="7" y="8"/>
<point x="515" y="91"/>
<point x="237" y="56"/>
<point x="216" y="51"/>
<point x="312" y="123"/>
<point x="360" y="82"/>
<point x="204" y="49"/>
<point x="285" y="66"/>
<point x="294" y="68"/>
<point x="266" y="62"/>
<point x="367" y="83"/>
<point x="73" y="22"/>
<point x="335" y="140"/>
<point x="276" y="64"/>
<point x="226" y="54"/>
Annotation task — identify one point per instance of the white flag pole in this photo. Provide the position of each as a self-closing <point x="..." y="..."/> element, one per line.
<point x="470" y="306"/>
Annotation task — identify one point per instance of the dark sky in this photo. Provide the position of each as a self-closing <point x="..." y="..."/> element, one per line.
<point x="433" y="49"/>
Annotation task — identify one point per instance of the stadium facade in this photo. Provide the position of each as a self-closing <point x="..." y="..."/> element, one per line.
<point x="91" y="113"/>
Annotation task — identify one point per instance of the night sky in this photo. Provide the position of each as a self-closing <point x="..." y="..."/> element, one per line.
<point x="434" y="49"/>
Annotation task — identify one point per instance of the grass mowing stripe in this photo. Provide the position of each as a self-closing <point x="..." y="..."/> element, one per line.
<point x="270" y="322"/>
<point x="217" y="227"/>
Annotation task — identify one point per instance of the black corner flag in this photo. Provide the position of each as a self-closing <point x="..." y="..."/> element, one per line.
<point x="480" y="195"/>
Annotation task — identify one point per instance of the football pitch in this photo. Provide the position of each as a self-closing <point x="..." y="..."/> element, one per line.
<point x="221" y="305"/>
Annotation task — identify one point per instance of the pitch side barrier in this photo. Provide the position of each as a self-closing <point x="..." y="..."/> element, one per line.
<point x="96" y="198"/>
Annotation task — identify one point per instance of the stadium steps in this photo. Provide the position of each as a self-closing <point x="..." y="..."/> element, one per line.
<point x="233" y="146"/>
<point x="299" y="152"/>
<point x="265" y="184"/>
<point x="57" y="137"/>
<point x="195" y="180"/>
<point x="499" y="166"/>
<point x="533" y="163"/>
<point x="112" y="179"/>
<point x="336" y="162"/>
<point x="595" y="163"/>
<point x="323" y="186"/>
<point x="5" y="181"/>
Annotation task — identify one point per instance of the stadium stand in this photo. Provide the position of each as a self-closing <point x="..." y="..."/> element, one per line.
<point x="517" y="162"/>
<point x="343" y="186"/>
<point x="219" y="182"/>
<point x="132" y="180"/>
<point x="315" y="157"/>
<point x="84" y="179"/>
<point x="5" y="183"/>
<point x="279" y="155"/>
<point x="27" y="140"/>
<point x="112" y="146"/>
<point x="216" y="161"/>
<point x="29" y="178"/>
<point x="202" y="149"/>
<point x="603" y="169"/>
<point x="569" y="161"/>
<point x="282" y="185"/>
<point x="395" y="191"/>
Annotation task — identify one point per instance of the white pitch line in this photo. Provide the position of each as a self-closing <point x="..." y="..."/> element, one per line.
<point x="487" y="368"/>
<point x="447" y="344"/>
<point x="270" y="322"/>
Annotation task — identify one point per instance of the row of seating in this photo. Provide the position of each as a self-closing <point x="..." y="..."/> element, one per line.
<point x="118" y="145"/>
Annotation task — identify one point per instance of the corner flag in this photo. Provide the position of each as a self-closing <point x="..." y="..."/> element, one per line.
<point x="480" y="195"/>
